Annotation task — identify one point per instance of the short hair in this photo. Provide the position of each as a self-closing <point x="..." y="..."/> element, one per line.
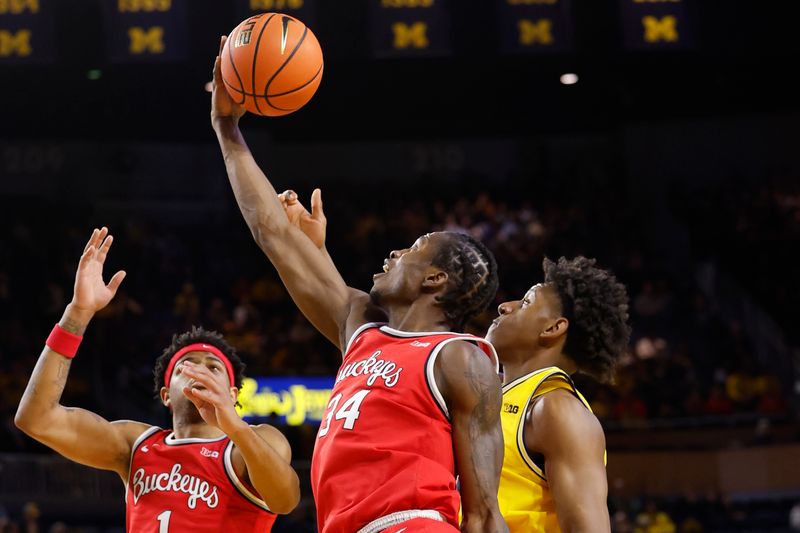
<point x="472" y="276"/>
<point x="197" y="335"/>
<point x="596" y="305"/>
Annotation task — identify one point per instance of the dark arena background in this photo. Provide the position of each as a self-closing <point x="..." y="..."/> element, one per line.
<point x="660" y="136"/>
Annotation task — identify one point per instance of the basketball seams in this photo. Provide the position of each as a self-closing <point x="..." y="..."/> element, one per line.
<point x="275" y="75"/>
<point x="255" y="60"/>
<point x="276" y="95"/>
<point x="235" y="71"/>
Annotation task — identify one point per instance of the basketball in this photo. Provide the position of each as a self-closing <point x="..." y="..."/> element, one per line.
<point x="271" y="64"/>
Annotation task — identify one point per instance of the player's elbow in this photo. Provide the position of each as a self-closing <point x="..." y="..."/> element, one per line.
<point x="26" y="421"/>
<point x="287" y="500"/>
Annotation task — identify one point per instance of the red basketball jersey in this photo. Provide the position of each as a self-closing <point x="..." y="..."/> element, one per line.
<point x="385" y="443"/>
<point x="180" y="485"/>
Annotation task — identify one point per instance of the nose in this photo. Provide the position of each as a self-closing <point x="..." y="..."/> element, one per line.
<point x="394" y="254"/>
<point x="505" y="308"/>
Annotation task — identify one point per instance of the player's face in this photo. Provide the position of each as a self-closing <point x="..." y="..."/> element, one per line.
<point x="521" y="322"/>
<point x="179" y="380"/>
<point x="404" y="270"/>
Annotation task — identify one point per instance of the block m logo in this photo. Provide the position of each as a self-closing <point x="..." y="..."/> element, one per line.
<point x="143" y="41"/>
<point x="535" y="31"/>
<point x="660" y="29"/>
<point x="414" y="35"/>
<point x="18" y="43"/>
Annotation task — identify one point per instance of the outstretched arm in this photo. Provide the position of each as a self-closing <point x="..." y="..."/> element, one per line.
<point x="77" y="434"/>
<point x="572" y="442"/>
<point x="472" y="391"/>
<point x="309" y="276"/>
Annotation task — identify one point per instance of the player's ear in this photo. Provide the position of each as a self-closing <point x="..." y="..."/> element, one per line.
<point x="555" y="330"/>
<point x="164" y="394"/>
<point x="435" y="280"/>
<point x="234" y="394"/>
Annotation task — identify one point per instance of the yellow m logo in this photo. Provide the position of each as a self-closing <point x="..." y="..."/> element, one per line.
<point x="15" y="7"/>
<point x="415" y="35"/>
<point x="535" y="31"/>
<point x="660" y="29"/>
<point x="150" y="40"/>
<point x="18" y="43"/>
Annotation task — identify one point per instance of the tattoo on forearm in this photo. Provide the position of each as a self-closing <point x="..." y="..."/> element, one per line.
<point x="484" y="431"/>
<point x="73" y="326"/>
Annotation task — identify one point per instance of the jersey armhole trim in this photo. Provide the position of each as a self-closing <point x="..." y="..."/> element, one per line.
<point x="357" y="332"/>
<point x="430" y="377"/>
<point x="551" y="373"/>
<point x="237" y="483"/>
<point x="146" y="434"/>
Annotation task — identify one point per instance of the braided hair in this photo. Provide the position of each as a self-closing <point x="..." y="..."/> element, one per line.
<point x="197" y="335"/>
<point x="596" y="305"/>
<point x="472" y="277"/>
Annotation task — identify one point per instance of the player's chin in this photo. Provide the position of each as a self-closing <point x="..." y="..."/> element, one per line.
<point x="375" y="294"/>
<point x="495" y="335"/>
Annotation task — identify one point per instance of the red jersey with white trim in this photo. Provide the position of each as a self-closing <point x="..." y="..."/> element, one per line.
<point x="178" y="485"/>
<point x="385" y="442"/>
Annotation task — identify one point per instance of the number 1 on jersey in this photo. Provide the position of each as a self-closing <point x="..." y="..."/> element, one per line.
<point x="163" y="522"/>
<point x="349" y="412"/>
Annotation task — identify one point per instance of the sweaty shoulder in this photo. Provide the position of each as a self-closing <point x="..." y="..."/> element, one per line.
<point x="559" y="422"/>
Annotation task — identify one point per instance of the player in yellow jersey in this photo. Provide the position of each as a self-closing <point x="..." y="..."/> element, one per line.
<point x="554" y="476"/>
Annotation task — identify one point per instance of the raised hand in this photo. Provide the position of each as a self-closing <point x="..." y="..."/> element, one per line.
<point x="213" y="400"/>
<point x="222" y="105"/>
<point x="313" y="224"/>
<point x="91" y="292"/>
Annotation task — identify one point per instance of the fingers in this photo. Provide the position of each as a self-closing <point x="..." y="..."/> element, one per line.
<point x="90" y="244"/>
<point x="222" y="40"/>
<point x="201" y="375"/>
<point x="115" y="282"/>
<point x="218" y="72"/>
<point x="87" y="256"/>
<point x="198" y="396"/>
<point x="288" y="196"/>
<point x="104" y="247"/>
<point x="316" y="205"/>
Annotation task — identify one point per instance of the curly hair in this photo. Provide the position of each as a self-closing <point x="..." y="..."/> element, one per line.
<point x="596" y="305"/>
<point x="197" y="335"/>
<point x="472" y="272"/>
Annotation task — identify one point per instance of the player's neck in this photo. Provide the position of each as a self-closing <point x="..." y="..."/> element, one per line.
<point x="525" y="363"/>
<point x="417" y="316"/>
<point x="184" y="428"/>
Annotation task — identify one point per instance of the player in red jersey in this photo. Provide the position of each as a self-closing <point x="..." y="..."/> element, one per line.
<point x="413" y="404"/>
<point x="211" y="472"/>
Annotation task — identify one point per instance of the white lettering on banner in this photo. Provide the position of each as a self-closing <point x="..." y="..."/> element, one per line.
<point x="197" y="488"/>
<point x="377" y="368"/>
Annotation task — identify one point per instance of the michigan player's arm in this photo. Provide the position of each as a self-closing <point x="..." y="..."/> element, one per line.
<point x="471" y="389"/>
<point x="77" y="434"/>
<point x="572" y="442"/>
<point x="310" y="277"/>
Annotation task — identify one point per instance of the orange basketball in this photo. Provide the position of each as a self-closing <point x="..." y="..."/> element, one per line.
<point x="271" y="64"/>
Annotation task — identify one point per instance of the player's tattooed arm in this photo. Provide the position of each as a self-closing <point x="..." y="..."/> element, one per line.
<point x="308" y="274"/>
<point x="472" y="392"/>
<point x="77" y="434"/>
